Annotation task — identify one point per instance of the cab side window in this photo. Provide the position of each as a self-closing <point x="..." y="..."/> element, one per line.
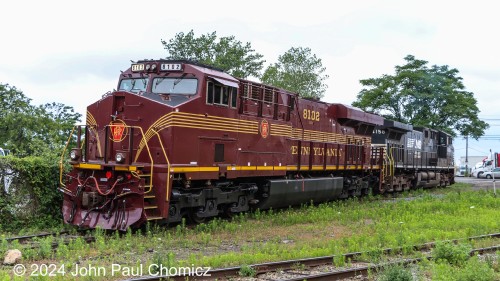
<point x="219" y="94"/>
<point x="210" y="92"/>
<point x="233" y="97"/>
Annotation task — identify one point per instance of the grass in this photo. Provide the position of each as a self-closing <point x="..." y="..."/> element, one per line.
<point x="309" y="231"/>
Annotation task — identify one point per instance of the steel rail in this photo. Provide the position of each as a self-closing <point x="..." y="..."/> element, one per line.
<point x="314" y="262"/>
<point x="365" y="270"/>
<point x="54" y="245"/>
<point x="28" y="237"/>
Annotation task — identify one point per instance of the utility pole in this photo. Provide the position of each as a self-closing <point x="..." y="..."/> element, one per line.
<point x="467" y="155"/>
<point x="495" y="164"/>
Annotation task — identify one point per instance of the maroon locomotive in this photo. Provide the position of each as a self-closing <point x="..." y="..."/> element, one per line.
<point x="180" y="139"/>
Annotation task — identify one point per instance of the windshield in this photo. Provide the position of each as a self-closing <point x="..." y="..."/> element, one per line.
<point x="134" y="85"/>
<point x="180" y="85"/>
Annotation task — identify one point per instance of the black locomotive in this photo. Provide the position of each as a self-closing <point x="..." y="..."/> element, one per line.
<point x="415" y="156"/>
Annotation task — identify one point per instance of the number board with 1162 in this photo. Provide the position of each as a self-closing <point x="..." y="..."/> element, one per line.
<point x="171" y="66"/>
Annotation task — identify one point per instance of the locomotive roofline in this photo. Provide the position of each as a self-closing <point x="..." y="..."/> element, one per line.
<point x="183" y="61"/>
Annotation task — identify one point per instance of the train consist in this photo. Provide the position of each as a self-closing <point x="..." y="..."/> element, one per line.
<point x="183" y="140"/>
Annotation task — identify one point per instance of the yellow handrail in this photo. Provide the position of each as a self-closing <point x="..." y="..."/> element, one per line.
<point x="393" y="168"/>
<point x="150" y="157"/>
<point x="387" y="163"/>
<point x="384" y="172"/>
<point x="147" y="148"/>
<point x="389" y="159"/>
<point x="168" y="164"/>
<point x="62" y="157"/>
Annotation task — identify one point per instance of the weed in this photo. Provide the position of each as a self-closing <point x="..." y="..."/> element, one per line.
<point x="444" y="272"/>
<point x="339" y="260"/>
<point x="62" y="252"/>
<point x="77" y="245"/>
<point x="247" y="271"/>
<point x="451" y="253"/>
<point x="395" y="273"/>
<point x="157" y="260"/>
<point x="45" y="248"/>
<point x="257" y="214"/>
<point x="148" y="229"/>
<point x="128" y="235"/>
<point x="205" y="238"/>
<point x="374" y="255"/>
<point x="298" y="266"/>
<point x="476" y="271"/>
<point x="180" y="229"/>
<point x="4" y="246"/>
<point x="100" y="240"/>
<point x="161" y="262"/>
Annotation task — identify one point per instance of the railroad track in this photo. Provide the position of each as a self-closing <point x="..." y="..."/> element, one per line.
<point x="290" y="265"/>
<point x="25" y="239"/>
<point x="33" y="236"/>
<point x="365" y="270"/>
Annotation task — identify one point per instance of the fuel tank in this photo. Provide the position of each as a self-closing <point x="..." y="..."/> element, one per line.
<point x="290" y="192"/>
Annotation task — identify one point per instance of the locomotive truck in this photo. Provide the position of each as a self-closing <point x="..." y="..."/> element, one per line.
<point x="179" y="139"/>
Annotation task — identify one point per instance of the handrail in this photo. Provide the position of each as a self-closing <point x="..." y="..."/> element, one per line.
<point x="389" y="160"/>
<point x="106" y="128"/>
<point x="393" y="166"/>
<point x="149" y="153"/>
<point x="386" y="163"/>
<point x="62" y="157"/>
<point x="168" y="164"/>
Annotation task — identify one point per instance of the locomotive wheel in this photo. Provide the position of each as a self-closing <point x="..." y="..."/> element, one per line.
<point x="194" y="218"/>
<point x="227" y="211"/>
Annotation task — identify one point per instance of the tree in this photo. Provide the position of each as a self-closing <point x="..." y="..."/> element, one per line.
<point x="26" y="129"/>
<point x="226" y="53"/>
<point x="432" y="97"/>
<point x="299" y="71"/>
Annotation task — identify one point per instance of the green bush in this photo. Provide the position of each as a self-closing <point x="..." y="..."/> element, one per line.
<point x="32" y="199"/>
<point x="476" y="270"/>
<point x="473" y="270"/>
<point x="451" y="253"/>
<point x="396" y="273"/>
<point x="247" y="271"/>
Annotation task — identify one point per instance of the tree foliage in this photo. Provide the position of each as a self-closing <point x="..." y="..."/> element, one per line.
<point x="226" y="53"/>
<point x="299" y="71"/>
<point x="433" y="97"/>
<point x="27" y="129"/>
<point x="32" y="198"/>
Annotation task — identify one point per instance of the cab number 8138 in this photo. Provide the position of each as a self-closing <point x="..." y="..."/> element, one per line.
<point x="310" y="115"/>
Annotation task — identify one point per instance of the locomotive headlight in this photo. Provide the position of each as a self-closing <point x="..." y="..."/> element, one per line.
<point x="153" y="67"/>
<point x="74" y="154"/>
<point x="120" y="158"/>
<point x="148" y="66"/>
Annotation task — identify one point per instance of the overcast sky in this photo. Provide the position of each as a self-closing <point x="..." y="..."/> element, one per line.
<point x="72" y="51"/>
